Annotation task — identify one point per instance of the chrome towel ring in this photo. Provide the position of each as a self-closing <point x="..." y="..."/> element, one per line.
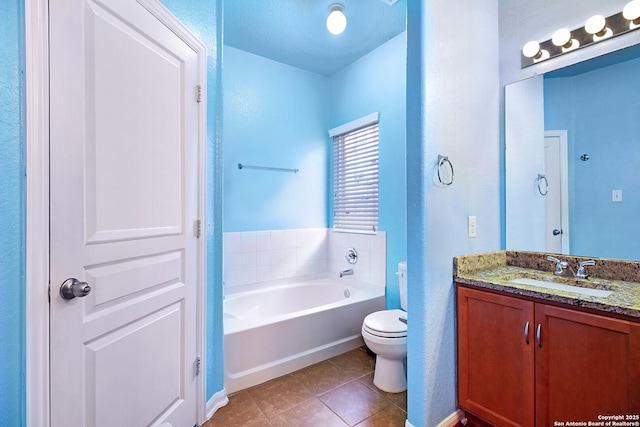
<point x="442" y="161"/>
<point x="539" y="181"/>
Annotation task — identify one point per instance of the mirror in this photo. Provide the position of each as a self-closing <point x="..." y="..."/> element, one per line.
<point x="596" y="106"/>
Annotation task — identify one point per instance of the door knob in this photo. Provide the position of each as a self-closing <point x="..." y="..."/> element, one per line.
<point x="72" y="288"/>
<point x="556" y="232"/>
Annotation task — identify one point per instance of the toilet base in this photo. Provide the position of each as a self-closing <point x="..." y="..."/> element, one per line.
<point x="389" y="375"/>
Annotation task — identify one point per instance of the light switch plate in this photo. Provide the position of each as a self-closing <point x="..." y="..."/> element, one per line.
<point x="616" y="195"/>
<point x="472" y="226"/>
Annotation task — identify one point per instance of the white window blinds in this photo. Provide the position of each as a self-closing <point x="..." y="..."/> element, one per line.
<point x="355" y="179"/>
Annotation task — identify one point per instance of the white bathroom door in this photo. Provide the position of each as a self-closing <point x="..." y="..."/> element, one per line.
<point x="123" y="203"/>
<point x="556" y="199"/>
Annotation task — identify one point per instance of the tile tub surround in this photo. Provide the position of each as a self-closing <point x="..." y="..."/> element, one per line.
<point x="263" y="256"/>
<point x="494" y="270"/>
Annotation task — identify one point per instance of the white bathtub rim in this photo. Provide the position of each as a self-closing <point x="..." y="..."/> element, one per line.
<point x="232" y="326"/>
<point x="233" y="291"/>
<point x="362" y="291"/>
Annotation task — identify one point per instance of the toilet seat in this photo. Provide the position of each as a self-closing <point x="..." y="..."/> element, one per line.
<point x="386" y="324"/>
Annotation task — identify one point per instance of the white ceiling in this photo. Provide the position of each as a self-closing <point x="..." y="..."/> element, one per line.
<point x="294" y="32"/>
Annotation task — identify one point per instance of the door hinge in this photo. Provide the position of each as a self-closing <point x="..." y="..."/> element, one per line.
<point x="198" y="365"/>
<point x="198" y="93"/>
<point x="198" y="228"/>
<point x="49" y="293"/>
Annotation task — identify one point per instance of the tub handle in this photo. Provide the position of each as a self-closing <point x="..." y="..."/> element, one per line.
<point x="351" y="256"/>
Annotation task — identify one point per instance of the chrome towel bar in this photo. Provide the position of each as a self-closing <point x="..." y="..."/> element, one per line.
<point x="242" y="166"/>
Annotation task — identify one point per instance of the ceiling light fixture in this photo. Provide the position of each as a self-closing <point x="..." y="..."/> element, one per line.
<point x="336" y="21"/>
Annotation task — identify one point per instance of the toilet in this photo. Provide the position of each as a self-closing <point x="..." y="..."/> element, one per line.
<point x="386" y="335"/>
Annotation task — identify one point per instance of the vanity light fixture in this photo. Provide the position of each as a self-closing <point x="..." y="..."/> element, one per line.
<point x="631" y="13"/>
<point x="336" y="21"/>
<point x="596" y="29"/>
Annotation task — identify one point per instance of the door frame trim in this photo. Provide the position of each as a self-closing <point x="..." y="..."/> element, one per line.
<point x="37" y="212"/>
<point x="564" y="185"/>
<point x="37" y="343"/>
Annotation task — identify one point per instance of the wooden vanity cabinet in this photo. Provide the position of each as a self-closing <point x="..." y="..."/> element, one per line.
<point x="579" y="366"/>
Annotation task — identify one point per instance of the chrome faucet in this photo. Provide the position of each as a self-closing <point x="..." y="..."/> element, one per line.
<point x="348" y="272"/>
<point x="582" y="271"/>
<point x="562" y="267"/>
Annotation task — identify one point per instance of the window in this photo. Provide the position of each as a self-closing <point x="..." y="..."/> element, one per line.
<point x="355" y="176"/>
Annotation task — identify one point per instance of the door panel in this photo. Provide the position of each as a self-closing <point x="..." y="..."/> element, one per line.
<point x="111" y="363"/>
<point x="122" y="202"/>
<point x="586" y="365"/>
<point x="495" y="357"/>
<point x="553" y="205"/>
<point x="124" y="186"/>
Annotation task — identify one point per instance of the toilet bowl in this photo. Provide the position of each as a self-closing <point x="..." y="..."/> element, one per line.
<point x="385" y="334"/>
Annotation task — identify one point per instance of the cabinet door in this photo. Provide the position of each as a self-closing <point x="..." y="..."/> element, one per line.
<point x="586" y="365"/>
<point x="495" y="357"/>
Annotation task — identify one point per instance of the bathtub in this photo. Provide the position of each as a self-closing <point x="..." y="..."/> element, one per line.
<point x="272" y="330"/>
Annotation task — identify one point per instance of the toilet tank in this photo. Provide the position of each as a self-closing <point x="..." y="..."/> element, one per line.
<point x="402" y="277"/>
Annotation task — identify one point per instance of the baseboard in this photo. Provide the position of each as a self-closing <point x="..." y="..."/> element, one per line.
<point x="216" y="402"/>
<point x="450" y="421"/>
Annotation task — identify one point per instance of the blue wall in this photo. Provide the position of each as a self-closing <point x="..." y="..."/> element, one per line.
<point x="12" y="360"/>
<point x="204" y="19"/>
<point x="273" y="116"/>
<point x="377" y="82"/>
<point x="453" y="110"/>
<point x="278" y="115"/>
<point x="600" y="111"/>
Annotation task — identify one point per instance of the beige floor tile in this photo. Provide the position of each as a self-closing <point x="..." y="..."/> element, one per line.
<point x="312" y="413"/>
<point x="279" y="395"/>
<point x="354" y="402"/>
<point x="354" y="363"/>
<point x="398" y="399"/>
<point x="321" y="377"/>
<point x="388" y="417"/>
<point x="240" y="411"/>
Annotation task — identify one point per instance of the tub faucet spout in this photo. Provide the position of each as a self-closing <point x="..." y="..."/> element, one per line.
<point x="348" y="272"/>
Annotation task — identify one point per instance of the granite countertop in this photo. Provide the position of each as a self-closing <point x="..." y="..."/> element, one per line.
<point x="495" y="270"/>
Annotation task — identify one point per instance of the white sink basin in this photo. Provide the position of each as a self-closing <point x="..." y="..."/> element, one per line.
<point x="560" y="287"/>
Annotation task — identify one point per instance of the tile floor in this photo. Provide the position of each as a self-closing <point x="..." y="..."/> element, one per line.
<point x="334" y="393"/>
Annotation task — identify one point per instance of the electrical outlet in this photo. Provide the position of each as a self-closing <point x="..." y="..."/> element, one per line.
<point x="472" y="226"/>
<point x="616" y="195"/>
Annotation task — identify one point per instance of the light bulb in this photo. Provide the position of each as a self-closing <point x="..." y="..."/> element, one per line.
<point x="336" y="21"/>
<point x="631" y="12"/>
<point x="562" y="37"/>
<point x="596" y="25"/>
<point x="531" y="49"/>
